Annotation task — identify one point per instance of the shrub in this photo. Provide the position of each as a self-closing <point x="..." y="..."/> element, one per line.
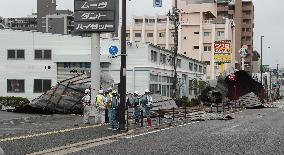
<point x="13" y="101"/>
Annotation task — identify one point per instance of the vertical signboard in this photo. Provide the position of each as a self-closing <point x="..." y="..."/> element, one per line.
<point x="222" y="51"/>
<point x="93" y="16"/>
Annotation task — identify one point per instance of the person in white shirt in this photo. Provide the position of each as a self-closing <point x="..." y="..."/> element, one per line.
<point x="86" y="100"/>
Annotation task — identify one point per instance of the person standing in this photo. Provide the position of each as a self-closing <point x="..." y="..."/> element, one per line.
<point x="108" y="105"/>
<point x="136" y="106"/>
<point x="148" y="104"/>
<point x="113" y="111"/>
<point x="100" y="108"/>
<point x="86" y="100"/>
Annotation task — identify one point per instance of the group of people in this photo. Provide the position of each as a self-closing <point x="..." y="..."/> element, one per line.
<point x="106" y="106"/>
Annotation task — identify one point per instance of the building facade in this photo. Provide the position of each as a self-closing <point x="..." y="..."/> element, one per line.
<point x="242" y="12"/>
<point x="32" y="62"/>
<point x="46" y="20"/>
<point x="199" y="29"/>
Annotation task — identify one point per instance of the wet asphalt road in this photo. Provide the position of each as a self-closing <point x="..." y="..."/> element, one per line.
<point x="257" y="131"/>
<point x="253" y="132"/>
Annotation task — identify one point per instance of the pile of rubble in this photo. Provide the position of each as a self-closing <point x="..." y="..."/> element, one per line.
<point x="247" y="92"/>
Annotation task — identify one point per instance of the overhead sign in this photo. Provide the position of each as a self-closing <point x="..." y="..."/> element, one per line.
<point x="113" y="50"/>
<point x="222" y="51"/>
<point x="91" y="16"/>
<point x="157" y="3"/>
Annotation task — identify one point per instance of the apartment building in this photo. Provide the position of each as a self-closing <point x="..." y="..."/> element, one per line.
<point x="199" y="29"/>
<point x="242" y="12"/>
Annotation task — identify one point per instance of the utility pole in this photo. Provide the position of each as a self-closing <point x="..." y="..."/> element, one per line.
<point x="174" y="16"/>
<point x="122" y="86"/>
<point x="278" y="84"/>
<point x="261" y="59"/>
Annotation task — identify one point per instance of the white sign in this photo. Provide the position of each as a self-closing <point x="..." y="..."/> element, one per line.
<point x="243" y="52"/>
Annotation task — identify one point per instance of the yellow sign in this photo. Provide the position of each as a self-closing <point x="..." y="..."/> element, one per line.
<point x="222" y="51"/>
<point x="222" y="58"/>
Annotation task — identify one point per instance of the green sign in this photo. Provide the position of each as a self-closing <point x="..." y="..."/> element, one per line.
<point x="265" y="68"/>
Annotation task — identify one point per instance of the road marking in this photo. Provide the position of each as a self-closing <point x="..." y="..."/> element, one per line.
<point x="71" y="148"/>
<point x="47" y="133"/>
<point x="159" y="130"/>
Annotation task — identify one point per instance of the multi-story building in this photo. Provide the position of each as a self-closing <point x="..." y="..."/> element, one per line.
<point x="47" y="20"/>
<point x="199" y="29"/>
<point x="242" y="12"/>
<point x="28" y="23"/>
<point x="35" y="61"/>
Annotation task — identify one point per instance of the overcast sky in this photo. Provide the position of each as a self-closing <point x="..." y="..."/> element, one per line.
<point x="269" y="15"/>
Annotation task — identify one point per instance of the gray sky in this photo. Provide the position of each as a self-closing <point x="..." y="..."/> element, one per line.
<point x="269" y="15"/>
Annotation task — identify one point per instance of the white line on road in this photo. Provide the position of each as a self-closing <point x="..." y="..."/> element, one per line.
<point x="160" y="130"/>
<point x="47" y="133"/>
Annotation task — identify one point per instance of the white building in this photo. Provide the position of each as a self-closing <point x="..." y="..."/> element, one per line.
<point x="31" y="62"/>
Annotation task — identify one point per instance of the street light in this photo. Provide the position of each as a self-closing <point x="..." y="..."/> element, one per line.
<point x="261" y="59"/>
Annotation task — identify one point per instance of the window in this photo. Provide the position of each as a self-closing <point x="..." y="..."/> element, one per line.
<point x="162" y="35"/>
<point x="207" y="62"/>
<point x="16" y="54"/>
<point x="207" y="48"/>
<point x="15" y="86"/>
<point x="137" y="35"/>
<point x="127" y="35"/>
<point x="196" y="32"/>
<point x="173" y="34"/>
<point x="204" y="70"/>
<point x="220" y="33"/>
<point x="195" y="67"/>
<point x="43" y="54"/>
<point x="206" y="34"/>
<point x="200" y="69"/>
<point x="150" y="35"/>
<point x="154" y="78"/>
<point x="179" y="63"/>
<point x="154" y="56"/>
<point x="196" y="47"/>
<point x="41" y="86"/>
<point x="163" y="58"/>
<point x="191" y="66"/>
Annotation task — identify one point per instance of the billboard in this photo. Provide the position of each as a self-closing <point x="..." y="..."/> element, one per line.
<point x="222" y="51"/>
<point x="95" y="16"/>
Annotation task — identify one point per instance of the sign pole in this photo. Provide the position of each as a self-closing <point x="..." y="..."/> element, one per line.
<point x="95" y="66"/>
<point x="122" y="93"/>
<point x="243" y="63"/>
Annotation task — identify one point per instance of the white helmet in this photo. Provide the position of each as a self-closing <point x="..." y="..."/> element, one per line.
<point x="114" y="92"/>
<point x="87" y="91"/>
<point x="147" y="91"/>
<point x="109" y="89"/>
<point x="136" y="92"/>
<point x="101" y="91"/>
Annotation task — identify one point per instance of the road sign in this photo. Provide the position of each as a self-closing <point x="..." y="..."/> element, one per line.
<point x="93" y="16"/>
<point x="243" y="52"/>
<point x="265" y="68"/>
<point x="157" y="3"/>
<point x="113" y="50"/>
<point x="88" y="16"/>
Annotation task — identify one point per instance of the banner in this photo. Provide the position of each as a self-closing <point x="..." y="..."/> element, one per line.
<point x="222" y="51"/>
